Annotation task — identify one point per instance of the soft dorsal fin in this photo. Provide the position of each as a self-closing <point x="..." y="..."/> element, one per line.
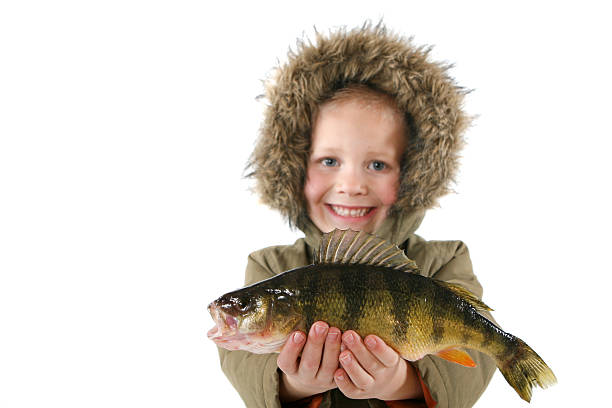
<point x="464" y="294"/>
<point x="358" y="247"/>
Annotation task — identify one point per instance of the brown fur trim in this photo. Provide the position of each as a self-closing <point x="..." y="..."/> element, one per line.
<point x="369" y="55"/>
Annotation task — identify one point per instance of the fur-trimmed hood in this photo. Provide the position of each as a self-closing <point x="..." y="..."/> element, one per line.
<point x="373" y="56"/>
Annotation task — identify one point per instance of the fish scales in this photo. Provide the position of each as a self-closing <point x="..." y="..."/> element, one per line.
<point x="392" y="304"/>
<point x="362" y="283"/>
<point x="378" y="298"/>
<point x="327" y="300"/>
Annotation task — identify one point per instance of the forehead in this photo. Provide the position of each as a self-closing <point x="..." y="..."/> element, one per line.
<point x="358" y="124"/>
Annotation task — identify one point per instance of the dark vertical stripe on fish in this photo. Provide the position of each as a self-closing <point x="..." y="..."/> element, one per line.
<point x="489" y="336"/>
<point x="401" y="305"/>
<point x="435" y="296"/>
<point x="437" y="333"/>
<point x="468" y="320"/>
<point x="309" y="280"/>
<point x="351" y="283"/>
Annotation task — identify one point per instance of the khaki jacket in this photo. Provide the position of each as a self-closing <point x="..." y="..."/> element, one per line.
<point x="256" y="376"/>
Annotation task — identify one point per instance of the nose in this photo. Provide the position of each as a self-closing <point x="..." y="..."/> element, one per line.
<point x="350" y="181"/>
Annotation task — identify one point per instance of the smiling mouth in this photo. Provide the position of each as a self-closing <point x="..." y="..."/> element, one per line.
<point x="350" y="211"/>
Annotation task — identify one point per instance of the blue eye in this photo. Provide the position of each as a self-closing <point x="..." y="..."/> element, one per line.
<point x="377" y="165"/>
<point x="329" y="162"/>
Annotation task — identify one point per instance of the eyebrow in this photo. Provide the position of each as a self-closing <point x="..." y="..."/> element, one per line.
<point x="376" y="153"/>
<point x="326" y="150"/>
<point x="332" y="151"/>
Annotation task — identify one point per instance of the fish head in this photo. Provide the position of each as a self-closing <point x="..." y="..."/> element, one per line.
<point x="258" y="321"/>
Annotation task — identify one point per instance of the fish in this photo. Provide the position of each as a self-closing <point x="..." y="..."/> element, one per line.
<point x="361" y="282"/>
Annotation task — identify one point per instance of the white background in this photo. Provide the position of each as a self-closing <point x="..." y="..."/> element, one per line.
<point x="124" y="130"/>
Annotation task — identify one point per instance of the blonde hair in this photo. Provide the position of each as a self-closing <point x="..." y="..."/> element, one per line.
<point x="367" y="98"/>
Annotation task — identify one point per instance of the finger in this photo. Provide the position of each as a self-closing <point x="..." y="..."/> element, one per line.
<point x="345" y="385"/>
<point x="331" y="352"/>
<point x="313" y="349"/>
<point x="383" y="353"/>
<point x="360" y="377"/>
<point x="287" y="360"/>
<point x="364" y="357"/>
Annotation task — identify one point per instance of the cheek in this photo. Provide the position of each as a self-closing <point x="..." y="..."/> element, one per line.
<point x="314" y="188"/>
<point x="387" y="190"/>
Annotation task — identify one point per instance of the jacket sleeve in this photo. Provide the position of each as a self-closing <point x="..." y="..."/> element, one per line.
<point x="254" y="376"/>
<point x="450" y="384"/>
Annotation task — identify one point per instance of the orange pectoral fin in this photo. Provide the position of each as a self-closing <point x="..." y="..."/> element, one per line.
<point x="457" y="356"/>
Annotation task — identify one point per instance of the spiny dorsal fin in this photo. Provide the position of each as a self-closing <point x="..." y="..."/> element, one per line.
<point x="358" y="247"/>
<point x="464" y="294"/>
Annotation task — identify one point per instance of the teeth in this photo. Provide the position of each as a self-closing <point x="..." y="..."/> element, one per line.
<point x="346" y="212"/>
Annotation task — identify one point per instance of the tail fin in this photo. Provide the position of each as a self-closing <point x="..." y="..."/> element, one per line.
<point x="525" y="369"/>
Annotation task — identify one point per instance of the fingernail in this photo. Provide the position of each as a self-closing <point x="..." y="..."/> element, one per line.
<point x="298" y="337"/>
<point x="370" y="342"/>
<point x="333" y="335"/>
<point x="320" y="329"/>
<point x="340" y="377"/>
<point x="346" y="358"/>
<point x="349" y="338"/>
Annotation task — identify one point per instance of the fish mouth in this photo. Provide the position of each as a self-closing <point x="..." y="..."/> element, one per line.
<point x="224" y="323"/>
<point x="225" y="333"/>
<point x="223" y="329"/>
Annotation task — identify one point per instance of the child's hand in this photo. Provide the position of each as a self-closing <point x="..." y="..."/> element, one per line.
<point x="371" y="369"/>
<point x="313" y="372"/>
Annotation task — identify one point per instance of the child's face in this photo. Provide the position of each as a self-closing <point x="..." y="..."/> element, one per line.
<point x="354" y="166"/>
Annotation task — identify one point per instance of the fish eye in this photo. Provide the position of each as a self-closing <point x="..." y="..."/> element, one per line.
<point x="283" y="298"/>
<point x="238" y="304"/>
<point x="242" y="305"/>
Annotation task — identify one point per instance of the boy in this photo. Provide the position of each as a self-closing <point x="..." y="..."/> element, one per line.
<point x="362" y="132"/>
